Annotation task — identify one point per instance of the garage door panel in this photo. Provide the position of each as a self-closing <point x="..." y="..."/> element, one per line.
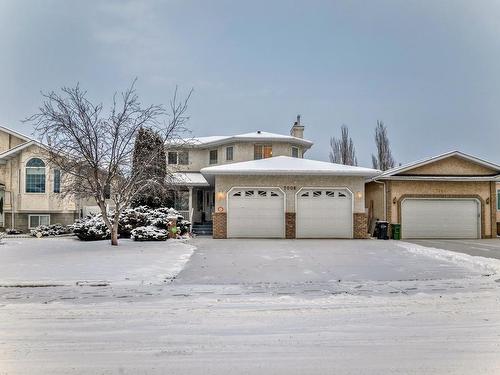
<point x="440" y="218"/>
<point x="324" y="213"/>
<point x="256" y="212"/>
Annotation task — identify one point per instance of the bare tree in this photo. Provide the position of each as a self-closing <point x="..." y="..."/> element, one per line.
<point x="383" y="160"/>
<point x="342" y="150"/>
<point x="94" y="150"/>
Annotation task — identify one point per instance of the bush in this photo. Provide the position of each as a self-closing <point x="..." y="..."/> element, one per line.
<point x="50" y="230"/>
<point x="149" y="233"/>
<point x="91" y="228"/>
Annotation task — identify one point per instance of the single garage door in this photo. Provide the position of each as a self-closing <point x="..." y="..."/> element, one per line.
<point x="440" y="218"/>
<point x="324" y="213"/>
<point x="256" y="212"/>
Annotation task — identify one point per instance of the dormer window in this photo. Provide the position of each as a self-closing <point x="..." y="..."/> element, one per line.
<point x="295" y="152"/>
<point x="262" y="151"/>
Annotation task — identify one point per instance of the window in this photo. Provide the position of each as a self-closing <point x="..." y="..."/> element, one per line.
<point x="35" y="176"/>
<point x="213" y="157"/>
<point x="183" y="157"/>
<point x="172" y="157"/>
<point x="295" y="152"/>
<point x="498" y="199"/>
<point x="37" y="220"/>
<point x="229" y="153"/>
<point x="181" y="200"/>
<point x="262" y="151"/>
<point x="57" y="181"/>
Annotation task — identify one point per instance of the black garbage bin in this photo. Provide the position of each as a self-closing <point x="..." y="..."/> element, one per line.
<point x="381" y="228"/>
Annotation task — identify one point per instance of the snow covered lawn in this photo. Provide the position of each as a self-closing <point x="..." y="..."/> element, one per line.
<point x="66" y="261"/>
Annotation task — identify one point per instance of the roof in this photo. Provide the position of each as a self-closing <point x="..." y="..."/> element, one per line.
<point x="257" y="136"/>
<point x="286" y="165"/>
<point x="189" y="179"/>
<point x="9" y="154"/>
<point x="15" y="133"/>
<point x="419" y="163"/>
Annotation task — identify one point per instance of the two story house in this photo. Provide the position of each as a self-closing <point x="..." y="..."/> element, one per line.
<point x="30" y="190"/>
<point x="259" y="185"/>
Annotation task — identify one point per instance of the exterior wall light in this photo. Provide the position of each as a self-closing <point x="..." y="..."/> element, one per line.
<point x="394" y="200"/>
<point x="221" y="195"/>
<point x="359" y="195"/>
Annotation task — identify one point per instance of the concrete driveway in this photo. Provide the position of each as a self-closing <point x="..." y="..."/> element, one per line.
<point x="249" y="261"/>
<point x="488" y="248"/>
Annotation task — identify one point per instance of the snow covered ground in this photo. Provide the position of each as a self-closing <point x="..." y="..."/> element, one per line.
<point x="346" y="307"/>
<point x="67" y="261"/>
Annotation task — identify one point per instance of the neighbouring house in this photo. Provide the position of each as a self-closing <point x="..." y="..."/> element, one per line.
<point x="259" y="185"/>
<point x="30" y="190"/>
<point x="453" y="195"/>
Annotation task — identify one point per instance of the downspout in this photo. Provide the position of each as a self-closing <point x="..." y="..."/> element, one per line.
<point x="385" y="197"/>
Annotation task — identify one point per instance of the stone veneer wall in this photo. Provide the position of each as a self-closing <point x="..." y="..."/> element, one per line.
<point x="360" y="230"/>
<point x="290" y="225"/>
<point x="219" y="225"/>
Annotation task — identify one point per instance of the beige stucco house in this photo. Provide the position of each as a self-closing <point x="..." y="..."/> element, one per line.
<point x="259" y="185"/>
<point x="29" y="187"/>
<point x="453" y="195"/>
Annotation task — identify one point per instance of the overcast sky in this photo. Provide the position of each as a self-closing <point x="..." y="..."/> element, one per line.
<point x="429" y="69"/>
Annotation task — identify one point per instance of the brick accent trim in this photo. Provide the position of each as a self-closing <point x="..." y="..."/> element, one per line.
<point x="360" y="225"/>
<point x="471" y="196"/>
<point x="219" y="225"/>
<point x="290" y="225"/>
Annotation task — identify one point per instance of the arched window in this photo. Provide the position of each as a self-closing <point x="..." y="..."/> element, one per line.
<point x="35" y="176"/>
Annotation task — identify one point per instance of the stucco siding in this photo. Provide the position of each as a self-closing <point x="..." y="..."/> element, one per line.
<point x="242" y="151"/>
<point x="451" y="166"/>
<point x="290" y="185"/>
<point x="374" y="194"/>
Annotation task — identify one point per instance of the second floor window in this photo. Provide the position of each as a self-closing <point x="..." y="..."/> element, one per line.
<point x="57" y="181"/>
<point x="178" y="157"/>
<point x="295" y="152"/>
<point x="213" y="157"/>
<point x="262" y="151"/>
<point x="35" y="176"/>
<point x="229" y="153"/>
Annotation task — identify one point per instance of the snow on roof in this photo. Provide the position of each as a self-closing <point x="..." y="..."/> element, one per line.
<point x="189" y="179"/>
<point x="15" y="133"/>
<point x="419" y="163"/>
<point x="253" y="136"/>
<point x="286" y="165"/>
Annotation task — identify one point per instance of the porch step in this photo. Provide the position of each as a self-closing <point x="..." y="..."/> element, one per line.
<point x="204" y="229"/>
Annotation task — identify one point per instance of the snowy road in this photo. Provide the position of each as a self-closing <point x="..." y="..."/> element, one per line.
<point x="346" y="307"/>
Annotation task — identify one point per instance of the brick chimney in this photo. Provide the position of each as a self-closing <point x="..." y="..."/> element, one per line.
<point x="297" y="129"/>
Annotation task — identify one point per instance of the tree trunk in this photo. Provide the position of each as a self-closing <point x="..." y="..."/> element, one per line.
<point x="114" y="236"/>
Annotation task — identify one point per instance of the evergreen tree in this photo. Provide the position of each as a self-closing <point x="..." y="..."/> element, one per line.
<point x="149" y="156"/>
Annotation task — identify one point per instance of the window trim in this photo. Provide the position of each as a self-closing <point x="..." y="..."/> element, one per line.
<point x="26" y="168"/>
<point x="213" y="161"/>
<point x="38" y="215"/>
<point x="232" y="153"/>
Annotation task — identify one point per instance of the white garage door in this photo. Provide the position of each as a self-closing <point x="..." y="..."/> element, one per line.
<point x="324" y="213"/>
<point x="440" y="218"/>
<point x="256" y="212"/>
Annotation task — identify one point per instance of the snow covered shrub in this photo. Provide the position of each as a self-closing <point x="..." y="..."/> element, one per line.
<point x="149" y="233"/>
<point x="91" y="228"/>
<point x="49" y="230"/>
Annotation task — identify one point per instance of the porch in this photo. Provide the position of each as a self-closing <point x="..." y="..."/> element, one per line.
<point x="194" y="198"/>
